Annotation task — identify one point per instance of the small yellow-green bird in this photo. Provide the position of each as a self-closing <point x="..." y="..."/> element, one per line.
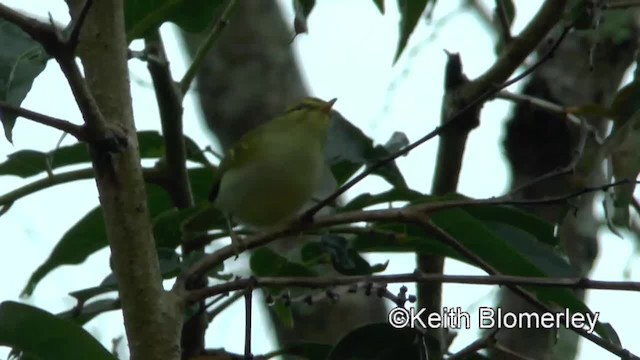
<point x="273" y="170"/>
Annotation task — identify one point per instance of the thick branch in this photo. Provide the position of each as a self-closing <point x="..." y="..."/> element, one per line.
<point x="517" y="51"/>
<point x="169" y="101"/>
<point x="152" y="317"/>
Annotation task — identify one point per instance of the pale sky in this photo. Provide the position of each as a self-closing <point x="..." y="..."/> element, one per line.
<point x="347" y="54"/>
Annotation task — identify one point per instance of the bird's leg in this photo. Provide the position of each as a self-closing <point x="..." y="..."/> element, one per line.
<point x="236" y="240"/>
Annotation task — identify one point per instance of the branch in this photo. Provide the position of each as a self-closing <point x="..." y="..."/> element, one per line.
<point x="63" y="51"/>
<point x="151" y="175"/>
<point x="488" y="340"/>
<point x="519" y="49"/>
<point x="363" y="281"/>
<point x="198" y="59"/>
<point x="492" y="90"/>
<point x="623" y="4"/>
<point x="74" y="35"/>
<point x="63" y="125"/>
<point x="404" y="214"/>
<point x="504" y="21"/>
<point x="169" y="102"/>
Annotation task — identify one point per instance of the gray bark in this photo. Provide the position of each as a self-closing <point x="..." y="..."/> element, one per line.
<point x="538" y="142"/>
<point x="250" y="76"/>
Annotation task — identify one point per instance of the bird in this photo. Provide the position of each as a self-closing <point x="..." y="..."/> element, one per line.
<point x="272" y="171"/>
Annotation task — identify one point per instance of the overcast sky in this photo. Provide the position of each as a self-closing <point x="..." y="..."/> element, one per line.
<point x="347" y="54"/>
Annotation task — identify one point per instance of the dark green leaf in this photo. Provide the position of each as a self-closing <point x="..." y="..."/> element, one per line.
<point x="26" y="163"/>
<point x="345" y="259"/>
<point x="169" y="260"/>
<point x="410" y="13"/>
<point x="302" y="9"/>
<point x="144" y="16"/>
<point x="382" y="341"/>
<point x="348" y="149"/>
<point x="207" y="218"/>
<point x="367" y="199"/>
<point x="509" y="250"/>
<point x="168" y="226"/>
<point x="308" y="351"/>
<point x="88" y="236"/>
<point x="584" y="15"/>
<point x="380" y="5"/>
<point x="537" y="227"/>
<point x="106" y="286"/>
<point x="90" y="311"/>
<point x="44" y="335"/>
<point x="265" y="262"/>
<point x="626" y="102"/>
<point x="284" y="314"/>
<point x="22" y="59"/>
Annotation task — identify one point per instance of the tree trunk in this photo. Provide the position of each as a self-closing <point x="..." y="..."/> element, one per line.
<point x="538" y="142"/>
<point x="250" y="76"/>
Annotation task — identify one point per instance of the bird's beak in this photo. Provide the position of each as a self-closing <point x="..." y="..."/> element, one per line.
<point x="329" y="105"/>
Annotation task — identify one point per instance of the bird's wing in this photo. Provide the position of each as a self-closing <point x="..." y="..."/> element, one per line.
<point x="237" y="155"/>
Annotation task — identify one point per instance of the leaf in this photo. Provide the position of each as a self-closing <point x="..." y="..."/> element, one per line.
<point x="21" y="60"/>
<point x="207" y="218"/>
<point x="381" y="341"/>
<point x="584" y="15"/>
<point x="168" y="226"/>
<point x="302" y="9"/>
<point x="26" y="163"/>
<point x="345" y="259"/>
<point x="308" y="351"/>
<point x="626" y="102"/>
<point x="86" y="237"/>
<point x="46" y="336"/>
<point x="594" y="110"/>
<point x="335" y="249"/>
<point x="348" y="149"/>
<point x="142" y="16"/>
<point x="266" y="262"/>
<point x="90" y="311"/>
<point x="410" y="13"/>
<point x="367" y="199"/>
<point x="511" y="251"/>
<point x="380" y="5"/>
<point x="537" y="227"/>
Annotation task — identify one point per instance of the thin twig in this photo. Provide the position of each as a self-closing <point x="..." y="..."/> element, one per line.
<point x="198" y="59"/>
<point x="74" y="35"/>
<point x="437" y="131"/>
<point x="248" y="296"/>
<point x="63" y="125"/>
<point x="362" y="281"/>
<point x="47" y="35"/>
<point x="504" y="21"/>
<point x="488" y="340"/>
<point x="524" y="294"/>
<point x="225" y="304"/>
<point x="395" y="214"/>
<point x="623" y="4"/>
<point x="151" y="175"/>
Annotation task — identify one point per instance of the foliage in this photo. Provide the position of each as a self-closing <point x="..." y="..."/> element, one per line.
<point x="508" y="239"/>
